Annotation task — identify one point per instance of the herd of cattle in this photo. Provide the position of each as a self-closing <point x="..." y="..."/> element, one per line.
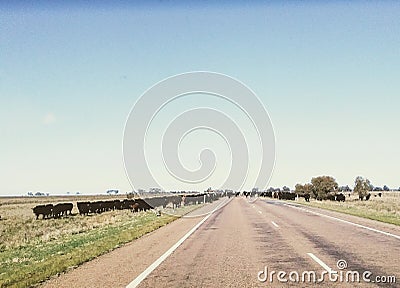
<point x="53" y="211"/>
<point x="135" y="205"/>
<point x="284" y="195"/>
<point x="174" y="201"/>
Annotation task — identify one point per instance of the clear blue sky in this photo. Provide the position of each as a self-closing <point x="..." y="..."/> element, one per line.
<point x="69" y="74"/>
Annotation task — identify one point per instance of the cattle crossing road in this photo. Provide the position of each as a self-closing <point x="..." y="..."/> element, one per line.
<point x="233" y="246"/>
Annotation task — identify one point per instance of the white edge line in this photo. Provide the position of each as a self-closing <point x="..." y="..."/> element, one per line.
<point x="156" y="263"/>
<point x="276" y="225"/>
<point x="345" y="221"/>
<point x="319" y="261"/>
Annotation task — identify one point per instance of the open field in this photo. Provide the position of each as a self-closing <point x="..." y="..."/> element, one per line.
<point x="32" y="250"/>
<point x="384" y="209"/>
<point x="231" y="246"/>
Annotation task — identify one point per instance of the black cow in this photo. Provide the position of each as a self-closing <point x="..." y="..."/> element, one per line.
<point x="306" y="196"/>
<point x="331" y="197"/>
<point x="193" y="199"/>
<point x="45" y="210"/>
<point x="141" y="205"/>
<point x="340" y="197"/>
<point x="286" y="195"/>
<point x="62" y="209"/>
<point x="83" y="208"/>
<point x="176" y="201"/>
<point x="117" y="205"/>
<point x="266" y="194"/>
<point x="366" y="197"/>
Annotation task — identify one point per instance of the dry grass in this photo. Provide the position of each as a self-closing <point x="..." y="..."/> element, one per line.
<point x="384" y="209"/>
<point x="42" y="248"/>
<point x="18" y="225"/>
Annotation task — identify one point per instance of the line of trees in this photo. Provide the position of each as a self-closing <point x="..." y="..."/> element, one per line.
<point x="319" y="188"/>
<point x="362" y="188"/>
<point x="322" y="187"/>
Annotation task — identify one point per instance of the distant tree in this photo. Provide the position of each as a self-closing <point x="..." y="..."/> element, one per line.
<point x="111" y="191"/>
<point x="386" y="188"/>
<point x="362" y="187"/>
<point x="344" y="189"/>
<point x="308" y="188"/>
<point x="271" y="189"/>
<point x="322" y="185"/>
<point x="371" y="187"/>
<point x="303" y="189"/>
<point x="299" y="189"/>
<point x="285" y="189"/>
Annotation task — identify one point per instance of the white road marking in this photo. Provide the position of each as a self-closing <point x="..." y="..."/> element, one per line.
<point x="276" y="225"/>
<point x="259" y="212"/>
<point x="319" y="261"/>
<point x="156" y="263"/>
<point x="203" y="214"/>
<point x="345" y="221"/>
<point x="252" y="201"/>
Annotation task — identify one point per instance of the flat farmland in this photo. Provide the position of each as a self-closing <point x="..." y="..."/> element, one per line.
<point x="32" y="250"/>
<point x="230" y="238"/>
<point x="383" y="209"/>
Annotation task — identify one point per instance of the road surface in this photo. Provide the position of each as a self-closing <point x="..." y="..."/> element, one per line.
<point x="241" y="243"/>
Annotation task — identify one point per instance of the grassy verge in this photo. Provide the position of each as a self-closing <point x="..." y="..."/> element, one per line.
<point x="27" y="264"/>
<point x="383" y="210"/>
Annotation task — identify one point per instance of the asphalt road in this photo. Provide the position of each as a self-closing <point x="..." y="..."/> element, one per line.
<point x="230" y="248"/>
